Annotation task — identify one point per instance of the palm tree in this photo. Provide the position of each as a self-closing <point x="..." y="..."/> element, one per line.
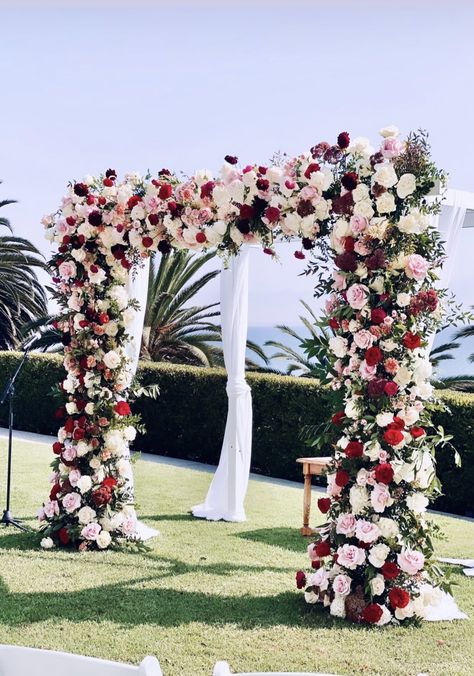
<point x="22" y="297"/>
<point x="463" y="382"/>
<point x="173" y="330"/>
<point x="442" y="353"/>
<point x="309" y="361"/>
<point x="466" y="332"/>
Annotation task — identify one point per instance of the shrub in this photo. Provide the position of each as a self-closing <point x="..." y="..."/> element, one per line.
<point x="188" y="418"/>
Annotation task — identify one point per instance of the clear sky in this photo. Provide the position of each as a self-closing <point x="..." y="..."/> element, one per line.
<point x="138" y="85"/>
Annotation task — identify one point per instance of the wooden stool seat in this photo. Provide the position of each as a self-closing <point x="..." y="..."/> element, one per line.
<point x="311" y="466"/>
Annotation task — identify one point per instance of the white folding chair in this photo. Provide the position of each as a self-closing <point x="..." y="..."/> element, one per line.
<point x="18" y="661"/>
<point x="223" y="669"/>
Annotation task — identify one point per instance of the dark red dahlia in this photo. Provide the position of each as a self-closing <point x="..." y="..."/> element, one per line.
<point x="231" y="159"/>
<point x="347" y="262"/>
<point x="81" y="189"/>
<point x="350" y="180"/>
<point x="343" y="140"/>
<point x="304" y="208"/>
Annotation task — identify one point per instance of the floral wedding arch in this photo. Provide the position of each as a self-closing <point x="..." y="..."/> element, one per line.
<point x="365" y="211"/>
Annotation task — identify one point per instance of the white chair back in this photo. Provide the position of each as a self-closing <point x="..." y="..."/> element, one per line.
<point x="223" y="669"/>
<point x="18" y="661"/>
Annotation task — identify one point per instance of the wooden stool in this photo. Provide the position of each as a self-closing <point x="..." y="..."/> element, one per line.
<point x="311" y="466"/>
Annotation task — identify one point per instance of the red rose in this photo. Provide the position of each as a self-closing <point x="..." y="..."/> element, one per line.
<point x="263" y="184"/>
<point x="101" y="496"/>
<point x="372" y="613"/>
<point x="342" y="478"/>
<point x="391" y="388"/>
<point x="147" y="242"/>
<point x="246" y="212"/>
<point x="311" y="169"/>
<point x="109" y="482"/>
<point x="165" y="191"/>
<point x="300" y="579"/>
<point x="333" y="323"/>
<point x="337" y="418"/>
<point x="299" y="255"/>
<point x="57" y="447"/>
<point x="390" y="570"/>
<point x="377" y="315"/>
<point x="153" y="219"/>
<point x="411" y="340"/>
<point x="54" y="491"/>
<point x="354" y="449"/>
<point x="397" y="423"/>
<point x="417" y="432"/>
<point x="78" y="434"/>
<point x="343" y="140"/>
<point x="69" y="425"/>
<point x="108" y="182"/>
<point x="323" y="548"/>
<point x="63" y="536"/>
<point x="384" y="473"/>
<point x="373" y="356"/>
<point x="398" y="597"/>
<point x="201" y="238"/>
<point x="133" y="201"/>
<point x="122" y="408"/>
<point x="103" y="319"/>
<point x="324" y="505"/>
<point x="272" y="214"/>
<point x="350" y="180"/>
<point x="393" y="437"/>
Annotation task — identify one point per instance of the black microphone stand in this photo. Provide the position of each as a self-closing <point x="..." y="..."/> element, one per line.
<point x="9" y="392"/>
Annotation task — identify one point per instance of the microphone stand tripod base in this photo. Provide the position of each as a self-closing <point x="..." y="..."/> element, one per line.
<point x="8" y="520"/>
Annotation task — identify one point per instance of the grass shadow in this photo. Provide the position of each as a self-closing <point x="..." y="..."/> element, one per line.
<point x="284" y="538"/>
<point x="19" y="540"/>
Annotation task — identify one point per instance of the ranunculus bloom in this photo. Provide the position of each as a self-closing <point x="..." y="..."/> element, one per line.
<point x="324" y="505"/>
<point x="411" y="340"/>
<point x="384" y="473"/>
<point x="393" y="437"/>
<point x="373" y="356"/>
<point x="377" y="315"/>
<point x="372" y="613"/>
<point x="354" y="449"/>
<point x="398" y="597"/>
<point x="390" y="570"/>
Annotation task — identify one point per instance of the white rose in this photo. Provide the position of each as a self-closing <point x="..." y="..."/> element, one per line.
<point x="403" y="299"/>
<point x="403" y="377"/>
<point x="417" y="502"/>
<point x="385" y="176"/>
<point x="359" y="498"/>
<point x="84" y="484"/>
<point x="118" y="293"/>
<point x="103" y="539"/>
<point x="386" y="616"/>
<point x="406" y="185"/>
<point x="338" y="345"/>
<point x="377" y="585"/>
<point x="111" y="359"/>
<point x="410" y="415"/>
<point x="423" y="371"/>
<point x="403" y="471"/>
<point x="82" y="448"/>
<point x="372" y="451"/>
<point x="388" y="527"/>
<point x="378" y="284"/>
<point x="384" y="419"/>
<point x="311" y="597"/>
<point x="71" y="407"/>
<point x="111" y="328"/>
<point x="94" y="463"/>
<point x="361" y="145"/>
<point x="89" y="409"/>
<point x="321" y="211"/>
<point x="352" y="408"/>
<point x="378" y="555"/>
<point x="364" y="208"/>
<point x="130" y="433"/>
<point x="386" y="203"/>
<point x="338" y="606"/>
<point x="128" y="316"/>
<point x="86" y="515"/>
<point x="388" y="345"/>
<point x="47" y="543"/>
<point x="389" y="131"/>
<point x="360" y="192"/>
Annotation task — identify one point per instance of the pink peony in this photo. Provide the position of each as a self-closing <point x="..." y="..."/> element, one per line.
<point x="366" y="531"/>
<point x="71" y="502"/>
<point x="91" y="531"/>
<point x="350" y="556"/>
<point x="411" y="561"/>
<point x="357" y="296"/>
<point x="416" y="267"/>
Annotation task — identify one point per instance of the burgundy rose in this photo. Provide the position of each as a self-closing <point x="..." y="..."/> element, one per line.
<point x="372" y="613"/>
<point x="343" y="140"/>
<point x="347" y="262"/>
<point x="153" y="219"/>
<point x="164" y="172"/>
<point x="343" y="204"/>
<point x="323" y="548"/>
<point x="206" y="189"/>
<point x="398" y="597"/>
<point x="376" y="387"/>
<point x="391" y="388"/>
<point x="376" y="261"/>
<point x="390" y="570"/>
<point x="133" y="201"/>
<point x="384" y="473"/>
<point x="57" y="447"/>
<point x="300" y="255"/>
<point x="319" y="149"/>
<point x="417" y="432"/>
<point x="324" y="505"/>
<point x="246" y="212"/>
<point x="263" y="184"/>
<point x="63" y="536"/>
<point x="165" y="191"/>
<point x="81" y="189"/>
<point x="377" y="315"/>
<point x="111" y="173"/>
<point x="350" y="180"/>
<point x="300" y="579"/>
<point x="304" y="208"/>
<point x="311" y="169"/>
<point x="164" y="247"/>
<point x="373" y="356"/>
<point x="95" y="218"/>
<point x="342" y="478"/>
<point x="243" y="227"/>
<point x="349" y="244"/>
<point x="307" y="243"/>
<point x="272" y="214"/>
<point x="101" y="496"/>
<point x="337" y="418"/>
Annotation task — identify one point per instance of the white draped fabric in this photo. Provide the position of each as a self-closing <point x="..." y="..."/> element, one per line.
<point x="137" y="288"/>
<point x="225" y="498"/>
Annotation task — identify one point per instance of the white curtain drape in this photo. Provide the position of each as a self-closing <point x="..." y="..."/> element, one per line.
<point x="225" y="498"/>
<point x="449" y="223"/>
<point x="137" y="288"/>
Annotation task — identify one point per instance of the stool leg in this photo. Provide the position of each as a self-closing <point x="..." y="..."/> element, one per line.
<point x="306" y="530"/>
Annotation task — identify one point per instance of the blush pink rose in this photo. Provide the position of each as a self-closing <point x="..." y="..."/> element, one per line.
<point x="67" y="269"/>
<point x="361" y="248"/>
<point x="358" y="224"/>
<point x="69" y="453"/>
<point x="346" y="524"/>
<point x="319" y="579"/>
<point x="367" y="372"/>
<point x="366" y="531"/>
<point x="391" y="147"/>
<point x="340" y="282"/>
<point x="129" y="526"/>
<point x="91" y="531"/>
<point x="71" y="502"/>
<point x="357" y="296"/>
<point x="74" y="476"/>
<point x="364" y="339"/>
<point x="342" y="585"/>
<point x="51" y="508"/>
<point x="411" y="561"/>
<point x="312" y="553"/>
<point x="380" y="498"/>
<point x="350" y="556"/>
<point x="416" y="267"/>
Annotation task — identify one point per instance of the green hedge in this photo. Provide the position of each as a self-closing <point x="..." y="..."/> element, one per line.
<point x="188" y="418"/>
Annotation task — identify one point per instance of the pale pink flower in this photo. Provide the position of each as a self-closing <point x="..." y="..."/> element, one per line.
<point x="340" y="282"/>
<point x="391" y="147"/>
<point x="363" y="339"/>
<point x="51" y="508"/>
<point x="350" y="556"/>
<point x="74" y="476"/>
<point x="411" y="561"/>
<point x="391" y="365"/>
<point x="380" y="498"/>
<point x="91" y="531"/>
<point x="361" y="248"/>
<point x="71" y="502"/>
<point x="416" y="267"/>
<point x="366" y="531"/>
<point x="319" y="579"/>
<point x="67" y="269"/>
<point x="357" y="296"/>
<point x="367" y="372"/>
<point x="69" y="453"/>
<point x="346" y="524"/>
<point x="342" y="585"/>
<point x="358" y="224"/>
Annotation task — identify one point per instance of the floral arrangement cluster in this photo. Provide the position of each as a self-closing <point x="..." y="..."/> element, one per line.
<point x="372" y="559"/>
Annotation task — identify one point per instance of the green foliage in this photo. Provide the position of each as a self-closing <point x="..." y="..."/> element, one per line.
<point x="187" y="419"/>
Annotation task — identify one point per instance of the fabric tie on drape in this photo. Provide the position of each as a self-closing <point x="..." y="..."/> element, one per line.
<point x="449" y="224"/>
<point x="226" y="495"/>
<point x="137" y="288"/>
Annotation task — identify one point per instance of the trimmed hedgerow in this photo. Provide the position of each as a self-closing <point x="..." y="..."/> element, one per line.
<point x="188" y="418"/>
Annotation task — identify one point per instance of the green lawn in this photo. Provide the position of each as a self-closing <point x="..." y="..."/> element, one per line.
<point x="206" y="591"/>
